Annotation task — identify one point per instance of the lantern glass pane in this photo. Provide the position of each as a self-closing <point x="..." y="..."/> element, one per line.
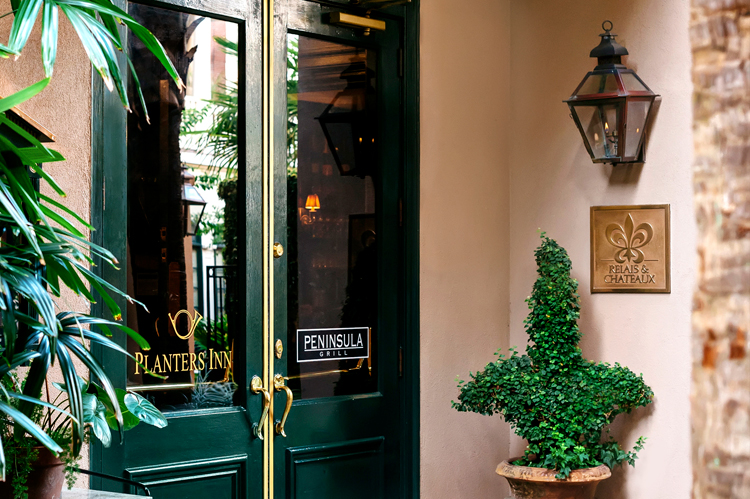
<point x="599" y="125"/>
<point x="191" y="194"/>
<point x="637" y="114"/>
<point x="598" y="84"/>
<point x="194" y="218"/>
<point x="342" y="140"/>
<point x="632" y="83"/>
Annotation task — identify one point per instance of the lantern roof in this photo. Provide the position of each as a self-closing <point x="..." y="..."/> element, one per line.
<point x="602" y="84"/>
<point x="610" y="78"/>
<point x="612" y="106"/>
<point x="609" y="53"/>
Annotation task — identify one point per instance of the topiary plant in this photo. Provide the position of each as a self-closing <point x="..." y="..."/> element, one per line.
<point x="553" y="397"/>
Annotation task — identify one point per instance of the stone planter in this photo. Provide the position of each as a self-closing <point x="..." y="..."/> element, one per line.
<point x="45" y="481"/>
<point x="540" y="483"/>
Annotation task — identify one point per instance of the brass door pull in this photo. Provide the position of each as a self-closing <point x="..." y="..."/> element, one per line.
<point x="257" y="387"/>
<point x="278" y="385"/>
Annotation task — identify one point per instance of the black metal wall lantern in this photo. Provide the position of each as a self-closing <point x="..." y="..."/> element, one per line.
<point x="612" y="106"/>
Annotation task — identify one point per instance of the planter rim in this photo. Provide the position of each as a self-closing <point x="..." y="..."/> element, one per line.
<point x="531" y="474"/>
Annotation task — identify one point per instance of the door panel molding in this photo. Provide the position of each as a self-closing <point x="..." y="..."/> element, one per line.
<point x="166" y="477"/>
<point x="338" y="454"/>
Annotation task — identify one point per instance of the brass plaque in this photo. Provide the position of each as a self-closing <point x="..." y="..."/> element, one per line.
<point x="630" y="249"/>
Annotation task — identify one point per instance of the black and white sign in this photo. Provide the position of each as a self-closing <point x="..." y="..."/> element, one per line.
<point x="315" y="345"/>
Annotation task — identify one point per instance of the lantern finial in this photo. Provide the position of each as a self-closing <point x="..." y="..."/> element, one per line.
<point x="609" y="53"/>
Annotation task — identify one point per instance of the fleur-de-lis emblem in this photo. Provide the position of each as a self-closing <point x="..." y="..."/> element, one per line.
<point x="629" y="240"/>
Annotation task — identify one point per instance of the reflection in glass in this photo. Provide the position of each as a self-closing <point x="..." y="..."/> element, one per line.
<point x="600" y="125"/>
<point x="181" y="236"/>
<point x="632" y="82"/>
<point x="637" y="114"/>
<point x="332" y="215"/>
<point x="599" y="84"/>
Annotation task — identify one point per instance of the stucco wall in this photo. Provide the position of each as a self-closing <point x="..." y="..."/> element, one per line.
<point x="553" y="183"/>
<point x="464" y="236"/>
<point x="499" y="158"/>
<point x="502" y="158"/>
<point x="64" y="108"/>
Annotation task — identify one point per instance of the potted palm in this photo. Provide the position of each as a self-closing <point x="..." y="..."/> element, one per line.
<point x="553" y="397"/>
<point x="43" y="250"/>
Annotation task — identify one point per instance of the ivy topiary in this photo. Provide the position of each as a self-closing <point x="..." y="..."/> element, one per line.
<point x="553" y="397"/>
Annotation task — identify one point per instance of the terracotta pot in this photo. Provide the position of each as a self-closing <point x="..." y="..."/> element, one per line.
<point x="540" y="483"/>
<point x="45" y="481"/>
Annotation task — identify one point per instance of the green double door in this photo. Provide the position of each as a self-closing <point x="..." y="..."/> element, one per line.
<point x="257" y="216"/>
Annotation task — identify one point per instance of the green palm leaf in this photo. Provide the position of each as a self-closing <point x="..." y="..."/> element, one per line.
<point x="49" y="37"/>
<point x="27" y="424"/>
<point x="23" y="23"/>
<point x="97" y="370"/>
<point x="91" y="46"/>
<point x="23" y="95"/>
<point x="75" y="397"/>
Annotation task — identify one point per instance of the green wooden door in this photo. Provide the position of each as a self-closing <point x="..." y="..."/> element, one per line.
<point x="180" y="204"/>
<point x="337" y="171"/>
<point x="263" y="218"/>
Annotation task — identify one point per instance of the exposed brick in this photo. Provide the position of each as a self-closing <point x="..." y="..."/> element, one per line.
<point x="720" y="37"/>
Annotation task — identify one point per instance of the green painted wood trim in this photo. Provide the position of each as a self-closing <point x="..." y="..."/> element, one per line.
<point x="108" y="163"/>
<point x="410" y="235"/>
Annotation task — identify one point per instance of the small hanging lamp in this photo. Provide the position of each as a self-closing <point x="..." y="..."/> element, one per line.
<point x="612" y="106"/>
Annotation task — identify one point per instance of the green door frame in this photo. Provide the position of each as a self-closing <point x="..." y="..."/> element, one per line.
<point x="108" y="155"/>
<point x="410" y="240"/>
<point x="109" y="210"/>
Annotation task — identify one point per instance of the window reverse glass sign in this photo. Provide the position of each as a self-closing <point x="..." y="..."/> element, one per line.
<point x="315" y="345"/>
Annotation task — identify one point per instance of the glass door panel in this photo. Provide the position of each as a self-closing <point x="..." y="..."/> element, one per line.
<point x="336" y="189"/>
<point x="181" y="238"/>
<point x="180" y="210"/>
<point x="332" y="285"/>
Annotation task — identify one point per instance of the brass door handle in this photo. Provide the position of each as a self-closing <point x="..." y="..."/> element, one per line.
<point x="278" y="385"/>
<point x="257" y="387"/>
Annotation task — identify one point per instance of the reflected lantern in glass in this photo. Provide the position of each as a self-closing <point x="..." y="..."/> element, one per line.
<point x="193" y="204"/>
<point x="612" y="106"/>
<point x="348" y="122"/>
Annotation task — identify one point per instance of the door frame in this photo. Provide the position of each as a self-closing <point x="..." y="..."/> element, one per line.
<point x="107" y="160"/>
